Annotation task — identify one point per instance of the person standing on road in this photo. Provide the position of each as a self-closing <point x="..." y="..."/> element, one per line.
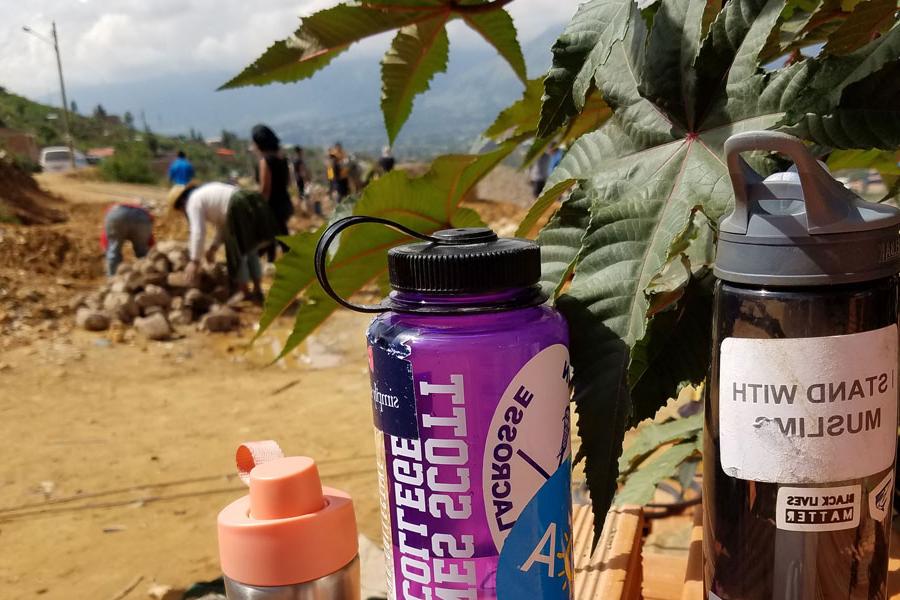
<point x="556" y="155"/>
<point x="125" y="223"/>
<point x="273" y="176"/>
<point x="539" y="172"/>
<point x="244" y="224"/>
<point x="301" y="177"/>
<point x="181" y="171"/>
<point x="338" y="173"/>
<point x="386" y="162"/>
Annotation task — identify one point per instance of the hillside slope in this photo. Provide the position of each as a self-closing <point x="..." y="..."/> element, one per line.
<point x="46" y="123"/>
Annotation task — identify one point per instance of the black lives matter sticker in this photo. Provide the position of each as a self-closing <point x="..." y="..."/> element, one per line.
<point x="818" y="509"/>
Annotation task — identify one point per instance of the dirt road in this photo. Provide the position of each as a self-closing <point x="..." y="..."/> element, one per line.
<point x="119" y="454"/>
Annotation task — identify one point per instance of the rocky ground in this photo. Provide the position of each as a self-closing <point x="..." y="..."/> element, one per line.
<point x="154" y="296"/>
<point x="120" y="448"/>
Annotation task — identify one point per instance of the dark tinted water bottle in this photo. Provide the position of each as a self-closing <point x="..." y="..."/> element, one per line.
<point x="801" y="406"/>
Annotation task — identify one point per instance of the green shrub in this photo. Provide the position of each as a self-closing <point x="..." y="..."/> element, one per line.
<point x="130" y="164"/>
<point x="26" y="164"/>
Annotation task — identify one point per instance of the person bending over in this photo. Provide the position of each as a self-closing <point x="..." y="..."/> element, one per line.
<point x="125" y="223"/>
<point x="244" y="223"/>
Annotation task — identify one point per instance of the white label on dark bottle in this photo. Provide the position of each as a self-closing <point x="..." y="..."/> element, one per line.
<point x="808" y="410"/>
<point x="817" y="509"/>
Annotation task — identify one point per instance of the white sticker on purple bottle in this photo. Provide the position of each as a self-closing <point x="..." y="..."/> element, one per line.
<point x="528" y="439"/>
<point x="808" y="410"/>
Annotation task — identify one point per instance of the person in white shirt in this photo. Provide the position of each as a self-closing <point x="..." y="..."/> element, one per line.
<point x="243" y="222"/>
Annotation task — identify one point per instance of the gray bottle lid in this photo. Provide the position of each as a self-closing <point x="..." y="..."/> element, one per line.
<point x="801" y="227"/>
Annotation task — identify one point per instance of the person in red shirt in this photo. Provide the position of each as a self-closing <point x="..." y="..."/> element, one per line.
<point x="125" y="223"/>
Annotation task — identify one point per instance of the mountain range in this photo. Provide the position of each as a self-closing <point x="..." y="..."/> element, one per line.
<point x="340" y="103"/>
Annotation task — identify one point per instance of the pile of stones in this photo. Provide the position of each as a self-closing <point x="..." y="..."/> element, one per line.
<point x="153" y="295"/>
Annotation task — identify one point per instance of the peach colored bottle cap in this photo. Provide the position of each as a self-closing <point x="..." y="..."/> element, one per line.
<point x="289" y="529"/>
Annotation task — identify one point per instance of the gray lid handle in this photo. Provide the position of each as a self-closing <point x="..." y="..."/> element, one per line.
<point x="827" y="200"/>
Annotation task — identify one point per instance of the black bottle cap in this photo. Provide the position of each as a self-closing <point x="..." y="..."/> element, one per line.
<point x="471" y="260"/>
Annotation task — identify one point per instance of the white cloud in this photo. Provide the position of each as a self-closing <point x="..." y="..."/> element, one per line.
<point x="532" y="17"/>
<point x="129" y="40"/>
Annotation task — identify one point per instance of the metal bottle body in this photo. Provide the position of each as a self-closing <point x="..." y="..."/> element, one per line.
<point x="748" y="554"/>
<point x="472" y="439"/>
<point x="343" y="584"/>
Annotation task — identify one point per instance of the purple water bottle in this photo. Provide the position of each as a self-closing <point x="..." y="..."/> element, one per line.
<point x="470" y="392"/>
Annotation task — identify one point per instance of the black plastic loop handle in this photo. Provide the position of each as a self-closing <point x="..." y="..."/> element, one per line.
<point x="328" y="238"/>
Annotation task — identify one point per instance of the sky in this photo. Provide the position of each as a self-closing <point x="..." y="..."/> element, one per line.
<point x="120" y="41"/>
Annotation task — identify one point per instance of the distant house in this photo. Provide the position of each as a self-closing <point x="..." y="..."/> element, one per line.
<point x="20" y="143"/>
<point x="95" y="155"/>
<point x="214" y="142"/>
<point x="104" y="152"/>
<point x="225" y="153"/>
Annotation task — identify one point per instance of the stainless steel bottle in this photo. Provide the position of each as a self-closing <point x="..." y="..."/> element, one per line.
<point x="801" y="406"/>
<point x="342" y="584"/>
<point x="289" y="538"/>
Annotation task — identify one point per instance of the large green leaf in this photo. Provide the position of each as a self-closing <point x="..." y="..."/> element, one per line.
<point x="652" y="435"/>
<point x="520" y="116"/>
<point x="601" y="399"/>
<point x="807" y="24"/>
<point x="561" y="240"/>
<point x="868" y="19"/>
<point x="292" y="276"/>
<point x="594" y="114"/>
<point x="883" y="161"/>
<point x="674" y="42"/>
<point x="645" y="170"/>
<point x="795" y="17"/>
<point x="284" y="61"/>
<point x="675" y="347"/>
<point x="416" y="54"/>
<point x="419" y="49"/>
<point x="426" y="203"/>
<point x="520" y="119"/>
<point x="320" y="38"/>
<point x="822" y="91"/>
<point x="640" y="487"/>
<point x="583" y="46"/>
<point x="880" y="160"/>
<point x="497" y="28"/>
<point x="868" y="115"/>
<point x="674" y="350"/>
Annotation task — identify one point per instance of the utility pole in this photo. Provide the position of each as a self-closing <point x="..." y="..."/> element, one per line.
<point x="62" y="88"/>
<point x="65" y="103"/>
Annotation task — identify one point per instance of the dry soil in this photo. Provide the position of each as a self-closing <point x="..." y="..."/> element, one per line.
<point x="119" y="452"/>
